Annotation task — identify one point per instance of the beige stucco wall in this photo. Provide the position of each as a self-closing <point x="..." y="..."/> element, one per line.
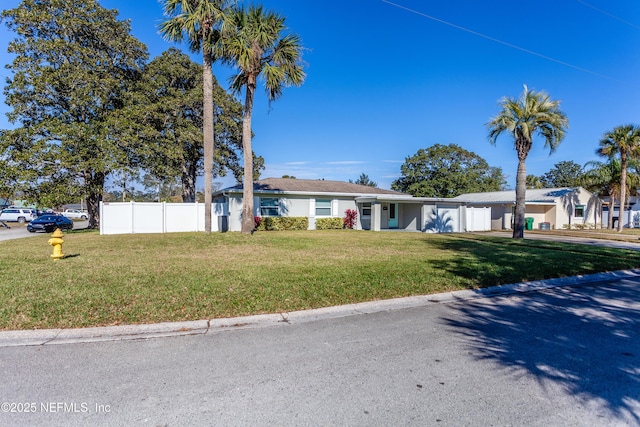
<point x="566" y="208"/>
<point x="538" y="213"/>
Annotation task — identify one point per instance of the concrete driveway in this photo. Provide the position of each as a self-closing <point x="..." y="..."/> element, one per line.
<point x="633" y="242"/>
<point x="568" y="356"/>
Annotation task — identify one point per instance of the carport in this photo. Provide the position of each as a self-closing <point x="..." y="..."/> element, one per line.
<point x="426" y="214"/>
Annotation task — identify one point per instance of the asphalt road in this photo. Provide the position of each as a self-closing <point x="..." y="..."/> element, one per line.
<point x="563" y="357"/>
<point x="19" y="231"/>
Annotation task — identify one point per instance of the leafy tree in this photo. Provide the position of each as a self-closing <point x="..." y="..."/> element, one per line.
<point x="622" y="141"/>
<point x="365" y="180"/>
<point x="74" y="60"/>
<point x="447" y="171"/>
<point x="533" y="113"/>
<point x="258" y="166"/>
<point x="199" y="22"/>
<point x="8" y="172"/>
<point x="563" y="174"/>
<point x="163" y="120"/>
<point x="163" y="190"/>
<point x="257" y="48"/>
<point x="534" y="182"/>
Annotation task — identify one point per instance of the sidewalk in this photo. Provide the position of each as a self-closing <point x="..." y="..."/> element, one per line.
<point x="200" y="327"/>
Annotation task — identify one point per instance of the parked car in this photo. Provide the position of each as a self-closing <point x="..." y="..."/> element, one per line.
<point x="13" y="214"/>
<point x="74" y="214"/>
<point x="49" y="223"/>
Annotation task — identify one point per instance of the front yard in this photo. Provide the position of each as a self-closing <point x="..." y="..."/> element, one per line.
<point x="125" y="279"/>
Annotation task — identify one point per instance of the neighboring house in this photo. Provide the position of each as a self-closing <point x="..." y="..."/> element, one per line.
<point x="377" y="209"/>
<point x="630" y="215"/>
<point x="560" y="207"/>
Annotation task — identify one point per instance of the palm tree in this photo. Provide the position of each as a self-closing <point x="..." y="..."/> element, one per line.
<point x="532" y="113"/>
<point x="603" y="179"/>
<point x="534" y="182"/>
<point x="199" y="22"/>
<point x="257" y="49"/>
<point x="623" y="141"/>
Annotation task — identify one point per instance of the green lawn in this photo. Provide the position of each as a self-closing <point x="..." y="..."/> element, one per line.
<point x="111" y="280"/>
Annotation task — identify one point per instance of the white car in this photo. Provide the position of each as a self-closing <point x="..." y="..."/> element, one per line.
<point x="18" y="214"/>
<point x="75" y="214"/>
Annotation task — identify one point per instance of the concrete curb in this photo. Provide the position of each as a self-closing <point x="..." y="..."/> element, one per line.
<point x="199" y="327"/>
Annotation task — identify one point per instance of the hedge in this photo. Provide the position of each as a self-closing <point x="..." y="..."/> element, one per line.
<point x="282" y="223"/>
<point x="329" y="224"/>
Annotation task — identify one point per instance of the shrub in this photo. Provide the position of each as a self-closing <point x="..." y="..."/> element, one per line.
<point x="281" y="223"/>
<point x="329" y="223"/>
<point x="256" y="222"/>
<point x="350" y="217"/>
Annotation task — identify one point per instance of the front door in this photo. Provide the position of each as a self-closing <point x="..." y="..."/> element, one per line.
<point x="393" y="215"/>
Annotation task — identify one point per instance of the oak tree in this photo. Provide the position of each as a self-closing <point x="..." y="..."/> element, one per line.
<point x="73" y="62"/>
<point x="447" y="171"/>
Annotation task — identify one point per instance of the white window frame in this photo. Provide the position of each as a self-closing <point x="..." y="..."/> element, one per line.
<point x="269" y="206"/>
<point x="324" y="208"/>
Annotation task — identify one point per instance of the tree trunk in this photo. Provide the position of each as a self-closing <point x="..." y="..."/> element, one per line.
<point x="188" y="182"/>
<point x="521" y="188"/>
<point x="623" y="190"/>
<point x="248" y="221"/>
<point x="208" y="138"/>
<point x="94" y="184"/>
<point x="612" y="205"/>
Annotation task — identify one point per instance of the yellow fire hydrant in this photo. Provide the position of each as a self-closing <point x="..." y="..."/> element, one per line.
<point x="56" y="241"/>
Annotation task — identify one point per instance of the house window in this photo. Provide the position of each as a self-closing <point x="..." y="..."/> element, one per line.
<point x="323" y="207"/>
<point x="366" y="209"/>
<point x="579" y="211"/>
<point x="269" y="206"/>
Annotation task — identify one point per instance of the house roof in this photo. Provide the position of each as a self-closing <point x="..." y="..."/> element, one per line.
<point x="292" y="185"/>
<point x="543" y="195"/>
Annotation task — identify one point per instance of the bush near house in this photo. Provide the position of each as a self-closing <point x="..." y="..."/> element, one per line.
<point x="329" y="223"/>
<point x="283" y="223"/>
<point x="350" y="218"/>
<point x="578" y="227"/>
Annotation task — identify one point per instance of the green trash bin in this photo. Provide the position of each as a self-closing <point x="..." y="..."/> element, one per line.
<point x="528" y="223"/>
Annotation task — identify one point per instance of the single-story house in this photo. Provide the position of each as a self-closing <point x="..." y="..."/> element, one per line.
<point x="560" y="207"/>
<point x="377" y="209"/>
<point x="630" y="214"/>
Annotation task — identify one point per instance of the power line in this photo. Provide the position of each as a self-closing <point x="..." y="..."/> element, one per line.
<point x="604" y="12"/>
<point x="495" y="40"/>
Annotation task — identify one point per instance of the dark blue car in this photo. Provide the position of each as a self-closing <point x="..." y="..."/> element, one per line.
<point x="48" y="223"/>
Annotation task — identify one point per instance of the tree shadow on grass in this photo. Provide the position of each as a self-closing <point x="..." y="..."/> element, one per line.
<point x="586" y="342"/>
<point x="492" y="261"/>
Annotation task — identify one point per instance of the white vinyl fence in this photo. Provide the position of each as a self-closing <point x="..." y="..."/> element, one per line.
<point x="138" y="218"/>
<point x="478" y="219"/>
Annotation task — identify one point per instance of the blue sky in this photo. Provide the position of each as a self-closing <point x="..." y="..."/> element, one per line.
<point x="386" y="79"/>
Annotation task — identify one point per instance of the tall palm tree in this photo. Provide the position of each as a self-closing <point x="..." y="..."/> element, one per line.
<point x="257" y="48"/>
<point x="199" y="22"/>
<point x="625" y="142"/>
<point x="532" y="113"/>
<point x="603" y="179"/>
